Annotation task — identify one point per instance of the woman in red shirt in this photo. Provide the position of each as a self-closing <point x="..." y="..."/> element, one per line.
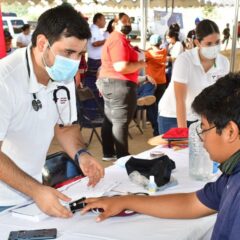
<point x="117" y="82"/>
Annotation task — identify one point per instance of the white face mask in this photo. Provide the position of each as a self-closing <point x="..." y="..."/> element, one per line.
<point x="210" y="52"/>
<point x="63" y="70"/>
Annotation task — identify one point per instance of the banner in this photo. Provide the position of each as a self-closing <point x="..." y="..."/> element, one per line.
<point x="163" y="20"/>
<point x="2" y="41"/>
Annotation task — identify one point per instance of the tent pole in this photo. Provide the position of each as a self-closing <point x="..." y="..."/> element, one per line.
<point x="144" y="10"/>
<point x="234" y="37"/>
<point x="173" y="5"/>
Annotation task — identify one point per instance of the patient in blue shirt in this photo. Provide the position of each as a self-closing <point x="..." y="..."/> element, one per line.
<point x="219" y="108"/>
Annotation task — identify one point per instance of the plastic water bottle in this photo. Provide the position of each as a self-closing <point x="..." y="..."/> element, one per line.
<point x="201" y="167"/>
<point x="152" y="186"/>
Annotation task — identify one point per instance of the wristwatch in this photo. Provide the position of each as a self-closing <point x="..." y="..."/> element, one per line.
<point x="78" y="154"/>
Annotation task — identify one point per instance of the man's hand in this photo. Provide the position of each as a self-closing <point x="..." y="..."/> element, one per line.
<point x="71" y="140"/>
<point x="47" y="199"/>
<point x="91" y="168"/>
<point x="111" y="206"/>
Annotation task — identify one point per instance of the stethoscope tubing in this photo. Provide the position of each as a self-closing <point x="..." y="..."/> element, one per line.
<point x="36" y="103"/>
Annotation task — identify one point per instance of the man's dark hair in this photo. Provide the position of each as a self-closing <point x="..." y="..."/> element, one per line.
<point x="97" y="16"/>
<point x="121" y="14"/>
<point x="25" y="27"/>
<point x="205" y="28"/>
<point x="110" y="26"/>
<point x="61" y="21"/>
<point x="173" y="34"/>
<point x="175" y="27"/>
<point x="220" y="103"/>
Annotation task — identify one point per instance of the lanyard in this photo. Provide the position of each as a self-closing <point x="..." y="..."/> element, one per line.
<point x="36" y="103"/>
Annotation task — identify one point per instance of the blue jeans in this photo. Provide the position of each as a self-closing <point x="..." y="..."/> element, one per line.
<point x="166" y="123"/>
<point x="90" y="76"/>
<point x="119" y="108"/>
<point x="145" y="89"/>
<point x="148" y="89"/>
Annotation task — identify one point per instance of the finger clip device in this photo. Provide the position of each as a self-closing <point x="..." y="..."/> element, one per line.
<point x="77" y="205"/>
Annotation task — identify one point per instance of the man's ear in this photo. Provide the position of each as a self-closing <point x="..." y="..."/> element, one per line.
<point x="231" y="131"/>
<point x="196" y="42"/>
<point x="41" y="43"/>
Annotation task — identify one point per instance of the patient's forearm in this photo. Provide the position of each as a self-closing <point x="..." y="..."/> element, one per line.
<point x="179" y="206"/>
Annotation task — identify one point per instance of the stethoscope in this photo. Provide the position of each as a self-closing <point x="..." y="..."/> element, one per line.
<point x="55" y="99"/>
<point x="37" y="104"/>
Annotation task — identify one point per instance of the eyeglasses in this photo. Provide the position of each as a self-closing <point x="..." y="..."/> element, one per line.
<point x="201" y="131"/>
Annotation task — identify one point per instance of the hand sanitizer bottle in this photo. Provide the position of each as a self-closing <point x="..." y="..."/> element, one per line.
<point x="152" y="186"/>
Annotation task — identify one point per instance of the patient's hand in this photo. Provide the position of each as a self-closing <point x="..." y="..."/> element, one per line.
<point x="111" y="206"/>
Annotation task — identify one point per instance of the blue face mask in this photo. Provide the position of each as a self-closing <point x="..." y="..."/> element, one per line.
<point x="63" y="70"/>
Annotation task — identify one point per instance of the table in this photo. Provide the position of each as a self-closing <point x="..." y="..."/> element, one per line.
<point x="139" y="227"/>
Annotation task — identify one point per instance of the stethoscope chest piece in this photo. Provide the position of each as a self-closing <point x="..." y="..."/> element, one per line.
<point x="36" y="104"/>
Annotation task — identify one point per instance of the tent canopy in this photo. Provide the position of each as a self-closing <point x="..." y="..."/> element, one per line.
<point x="136" y="3"/>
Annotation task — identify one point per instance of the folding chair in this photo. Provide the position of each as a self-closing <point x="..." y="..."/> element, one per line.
<point x="90" y="112"/>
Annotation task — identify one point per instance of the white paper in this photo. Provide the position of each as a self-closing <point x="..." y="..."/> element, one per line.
<point x="79" y="190"/>
<point x="75" y="191"/>
<point x="29" y="212"/>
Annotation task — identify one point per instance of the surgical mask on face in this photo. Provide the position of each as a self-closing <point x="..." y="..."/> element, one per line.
<point x="63" y="70"/>
<point x="168" y="40"/>
<point x="126" y="29"/>
<point x="210" y="52"/>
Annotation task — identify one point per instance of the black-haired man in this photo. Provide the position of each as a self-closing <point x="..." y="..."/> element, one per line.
<point x="29" y="116"/>
<point x="97" y="40"/>
<point x="219" y="107"/>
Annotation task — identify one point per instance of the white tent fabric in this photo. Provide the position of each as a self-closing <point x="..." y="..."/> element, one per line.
<point x="161" y="3"/>
<point x="220" y="2"/>
<point x="136" y="3"/>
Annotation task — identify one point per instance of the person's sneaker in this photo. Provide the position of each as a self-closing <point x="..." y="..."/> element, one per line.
<point x="109" y="158"/>
<point x="146" y="101"/>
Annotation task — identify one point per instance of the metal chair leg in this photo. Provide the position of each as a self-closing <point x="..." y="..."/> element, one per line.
<point x="91" y="136"/>
<point x="129" y="135"/>
<point x="98" y="137"/>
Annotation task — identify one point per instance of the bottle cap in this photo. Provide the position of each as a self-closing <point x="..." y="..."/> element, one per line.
<point x="151" y="179"/>
<point x="152" y="187"/>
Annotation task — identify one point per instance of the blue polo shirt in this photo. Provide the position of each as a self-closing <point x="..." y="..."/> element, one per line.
<point x="224" y="197"/>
